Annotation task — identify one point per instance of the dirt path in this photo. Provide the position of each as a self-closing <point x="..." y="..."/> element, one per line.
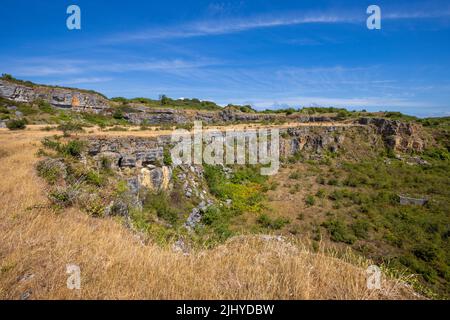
<point x="155" y="132"/>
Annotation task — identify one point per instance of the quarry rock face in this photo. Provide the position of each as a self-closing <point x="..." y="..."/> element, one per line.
<point x="156" y="116"/>
<point x="140" y="160"/>
<point x="57" y="97"/>
<point x="311" y="140"/>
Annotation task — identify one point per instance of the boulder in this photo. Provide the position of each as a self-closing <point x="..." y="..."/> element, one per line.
<point x="133" y="185"/>
<point x="412" y="201"/>
<point x="117" y="208"/>
<point x="155" y="179"/>
<point x="150" y="157"/>
<point x="127" y="162"/>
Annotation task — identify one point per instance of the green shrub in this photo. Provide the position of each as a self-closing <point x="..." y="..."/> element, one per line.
<point x="361" y="229"/>
<point x="45" y="107"/>
<point x="339" y="231"/>
<point x="320" y="193"/>
<point x="93" y="206"/>
<point x="95" y="178"/>
<point x="52" y="144"/>
<point x="310" y="200"/>
<point x="426" y="252"/>
<point x="248" y="174"/>
<point x="438" y="154"/>
<point x="51" y="170"/>
<point x="118" y="114"/>
<point x="160" y="204"/>
<point x="333" y="182"/>
<point x="70" y="127"/>
<point x="276" y="224"/>
<point x="63" y="196"/>
<point x="167" y="158"/>
<point x="73" y="148"/>
<point x="295" y="175"/>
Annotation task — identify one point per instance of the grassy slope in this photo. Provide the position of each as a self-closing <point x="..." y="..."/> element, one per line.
<point x="353" y="202"/>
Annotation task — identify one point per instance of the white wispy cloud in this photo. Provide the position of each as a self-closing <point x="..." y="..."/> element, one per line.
<point x="48" y="66"/>
<point x="358" y="102"/>
<point x="444" y="12"/>
<point x="32" y="67"/>
<point x="88" y="80"/>
<point x="234" y="25"/>
<point x="227" y="26"/>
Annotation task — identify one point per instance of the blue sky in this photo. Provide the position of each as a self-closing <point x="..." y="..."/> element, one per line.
<point x="266" y="53"/>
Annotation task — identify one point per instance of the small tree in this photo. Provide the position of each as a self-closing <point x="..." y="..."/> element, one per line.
<point x="118" y="114"/>
<point x="7" y="76"/>
<point x="164" y="99"/>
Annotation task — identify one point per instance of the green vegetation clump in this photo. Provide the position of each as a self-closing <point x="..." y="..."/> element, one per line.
<point x="19" y="124"/>
<point x="243" y="192"/>
<point x="295" y="175"/>
<point x="73" y="148"/>
<point x="167" y="102"/>
<point x="310" y="200"/>
<point x="244" y="189"/>
<point x="160" y="204"/>
<point x="399" y="116"/>
<point x="339" y="231"/>
<point x="70" y="127"/>
<point x="218" y="219"/>
<point x="51" y="170"/>
<point x="265" y="221"/>
<point x="411" y="236"/>
<point x="63" y="196"/>
<point x="167" y="158"/>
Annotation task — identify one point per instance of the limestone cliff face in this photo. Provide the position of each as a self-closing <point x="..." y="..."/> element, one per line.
<point x="141" y="159"/>
<point x="311" y="141"/>
<point x="170" y="116"/>
<point x="400" y="136"/>
<point x="57" y="97"/>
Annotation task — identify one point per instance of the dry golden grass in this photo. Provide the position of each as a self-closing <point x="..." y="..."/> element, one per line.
<point x="115" y="264"/>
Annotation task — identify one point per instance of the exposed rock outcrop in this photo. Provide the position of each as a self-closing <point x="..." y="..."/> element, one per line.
<point x="76" y="100"/>
<point x="398" y="135"/>
<point x="155" y="179"/>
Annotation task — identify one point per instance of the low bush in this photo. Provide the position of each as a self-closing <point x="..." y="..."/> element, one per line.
<point x="63" y="196"/>
<point x="51" y="170"/>
<point x="339" y="231"/>
<point x="16" y="124"/>
<point x="310" y="200"/>
<point x="160" y="204"/>
<point x="73" y="148"/>
<point x="70" y="127"/>
<point x="275" y="224"/>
